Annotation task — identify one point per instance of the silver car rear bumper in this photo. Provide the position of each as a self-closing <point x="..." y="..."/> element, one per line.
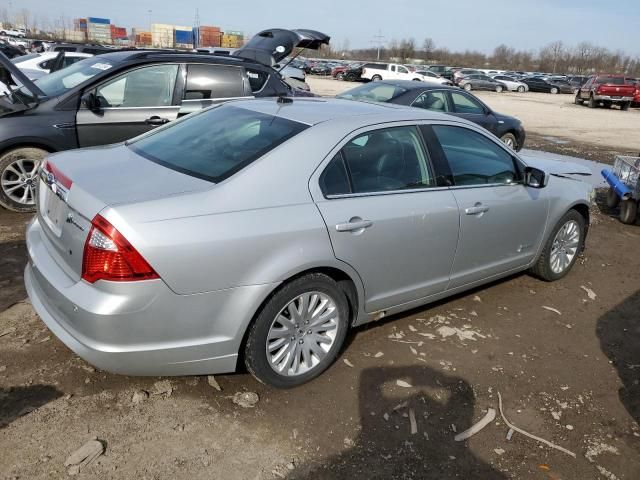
<point x="139" y="328"/>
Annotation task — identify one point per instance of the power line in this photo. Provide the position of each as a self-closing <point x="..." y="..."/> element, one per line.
<point x="378" y="41"/>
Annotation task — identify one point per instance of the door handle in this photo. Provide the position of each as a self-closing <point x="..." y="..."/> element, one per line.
<point x="352" y="226"/>
<point x="477" y="209"/>
<point x="155" y="120"/>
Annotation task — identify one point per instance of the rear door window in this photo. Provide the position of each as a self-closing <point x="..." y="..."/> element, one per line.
<point x="474" y="159"/>
<point x="214" y="144"/>
<point x="436" y="101"/>
<point x="213" y="81"/>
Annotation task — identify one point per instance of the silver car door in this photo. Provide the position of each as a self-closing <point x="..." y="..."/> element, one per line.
<point x="128" y="105"/>
<point x="502" y="222"/>
<point x="388" y="217"/>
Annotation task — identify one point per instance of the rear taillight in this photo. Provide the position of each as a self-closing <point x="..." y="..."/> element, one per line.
<point x="60" y="177"/>
<point x="109" y="256"/>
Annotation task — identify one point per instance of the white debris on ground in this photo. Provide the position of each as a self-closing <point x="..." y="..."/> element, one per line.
<point x="606" y="473"/>
<point x="84" y="456"/>
<point x="211" y="380"/>
<point x="596" y="447"/>
<point x="347" y="362"/>
<point x="590" y="293"/>
<point x="163" y="387"/>
<point x="403" y="384"/>
<point x="446" y="331"/>
<point x="551" y="309"/>
<point x="246" y="399"/>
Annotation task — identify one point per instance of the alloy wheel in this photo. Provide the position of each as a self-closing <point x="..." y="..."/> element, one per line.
<point x="302" y="334"/>
<point x="19" y="180"/>
<point x="565" y="246"/>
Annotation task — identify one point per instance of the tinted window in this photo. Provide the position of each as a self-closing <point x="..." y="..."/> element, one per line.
<point x="374" y="91"/>
<point x="377" y="66"/>
<point x="611" y="80"/>
<point x="144" y="87"/>
<point x="257" y="79"/>
<point x="215" y="143"/>
<point x="334" y="180"/>
<point x="432" y="101"/>
<point x="390" y="159"/>
<point x="473" y="158"/>
<point x="465" y="104"/>
<point x="213" y="81"/>
<point x="64" y="49"/>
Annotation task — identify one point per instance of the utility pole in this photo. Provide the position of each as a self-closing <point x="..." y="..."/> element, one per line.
<point x="378" y="40"/>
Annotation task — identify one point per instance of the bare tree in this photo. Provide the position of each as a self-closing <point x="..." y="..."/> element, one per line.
<point x="428" y="46"/>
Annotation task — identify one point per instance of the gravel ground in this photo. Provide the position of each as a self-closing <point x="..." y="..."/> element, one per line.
<point x="567" y="373"/>
<point x="553" y="122"/>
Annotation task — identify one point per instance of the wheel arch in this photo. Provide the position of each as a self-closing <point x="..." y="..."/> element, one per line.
<point x="583" y="209"/>
<point x="27" y="143"/>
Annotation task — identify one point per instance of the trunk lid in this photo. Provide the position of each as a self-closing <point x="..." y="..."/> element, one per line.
<point x="270" y="47"/>
<point x="613" y="90"/>
<point x="76" y="185"/>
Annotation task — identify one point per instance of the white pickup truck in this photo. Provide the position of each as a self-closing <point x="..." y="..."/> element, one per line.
<point x="11" y="32"/>
<point x="392" y="71"/>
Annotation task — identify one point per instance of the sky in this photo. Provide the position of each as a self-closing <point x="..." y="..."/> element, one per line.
<point x="458" y="25"/>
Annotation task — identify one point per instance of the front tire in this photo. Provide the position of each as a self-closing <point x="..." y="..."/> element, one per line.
<point x="625" y="106"/>
<point x="19" y="178"/>
<point x="521" y="89"/>
<point x="561" y="250"/>
<point x="376" y="78"/>
<point x="554" y="90"/>
<point x="628" y="211"/>
<point x="613" y="199"/>
<point x="509" y="139"/>
<point x="468" y="87"/>
<point x="298" y="333"/>
<point x="340" y="76"/>
<point x="499" y="89"/>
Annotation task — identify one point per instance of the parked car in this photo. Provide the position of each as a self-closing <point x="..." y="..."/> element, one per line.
<point x="35" y="65"/>
<point x="481" y="82"/>
<point x="276" y="278"/>
<point x="606" y="90"/>
<point x="389" y="71"/>
<point x="13" y="32"/>
<point x="9" y="51"/>
<point x="320" y="69"/>
<point x="39" y="46"/>
<point x="512" y="83"/>
<point x="442" y="99"/>
<point x="116" y="96"/>
<point x="540" y="84"/>
<point x="433" y="77"/>
<point x="349" y="73"/>
<point x="464" y="72"/>
<point x="636" y="95"/>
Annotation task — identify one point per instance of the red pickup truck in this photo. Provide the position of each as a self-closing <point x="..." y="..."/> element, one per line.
<point x="606" y="90"/>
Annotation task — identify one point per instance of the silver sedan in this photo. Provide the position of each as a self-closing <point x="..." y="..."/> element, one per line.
<point x="266" y="229"/>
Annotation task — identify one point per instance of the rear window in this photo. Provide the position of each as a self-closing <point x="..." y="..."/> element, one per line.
<point x="610" y="80"/>
<point x="216" y="143"/>
<point x="374" y="92"/>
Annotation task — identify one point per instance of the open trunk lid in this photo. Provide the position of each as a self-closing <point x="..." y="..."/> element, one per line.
<point x="75" y="186"/>
<point x="270" y="47"/>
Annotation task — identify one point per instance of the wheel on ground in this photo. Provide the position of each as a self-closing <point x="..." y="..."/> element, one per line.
<point x="467" y="87"/>
<point x="499" y="89"/>
<point x="613" y="199"/>
<point x="376" y="78"/>
<point x="521" y="89"/>
<point x="509" y="139"/>
<point x="625" y="106"/>
<point x="562" y="248"/>
<point x="628" y="211"/>
<point x="19" y="178"/>
<point x="298" y="333"/>
<point x="554" y="90"/>
<point x="340" y="76"/>
<point x="577" y="100"/>
<point x="607" y="104"/>
<point x="592" y="102"/>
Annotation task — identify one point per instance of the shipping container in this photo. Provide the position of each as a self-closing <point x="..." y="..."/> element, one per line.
<point x="184" y="37"/>
<point x="96" y="20"/>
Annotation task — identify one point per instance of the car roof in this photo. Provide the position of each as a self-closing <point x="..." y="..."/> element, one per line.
<point x="164" y="55"/>
<point x="312" y="111"/>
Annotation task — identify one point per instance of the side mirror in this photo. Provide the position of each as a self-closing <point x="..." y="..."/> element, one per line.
<point x="535" y="178"/>
<point x="90" y="101"/>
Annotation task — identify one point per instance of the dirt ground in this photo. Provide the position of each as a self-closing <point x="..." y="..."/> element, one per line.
<point x="553" y="122"/>
<point x="568" y="373"/>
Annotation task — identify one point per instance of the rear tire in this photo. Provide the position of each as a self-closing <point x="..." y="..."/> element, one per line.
<point x="543" y="268"/>
<point x="578" y="100"/>
<point x="499" y="89"/>
<point x="592" y="102"/>
<point x="376" y="78"/>
<point x="628" y="211"/>
<point x="625" y="106"/>
<point x="468" y="87"/>
<point x="554" y="90"/>
<point x="613" y="199"/>
<point x="340" y="76"/>
<point x="19" y="173"/>
<point x="263" y="360"/>
<point x="521" y="89"/>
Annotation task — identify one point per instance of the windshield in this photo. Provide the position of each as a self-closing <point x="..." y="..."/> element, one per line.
<point x="373" y="92"/>
<point x="57" y="83"/>
<point x="215" y="143"/>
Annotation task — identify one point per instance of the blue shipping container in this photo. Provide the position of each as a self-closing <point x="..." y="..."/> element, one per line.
<point x="104" y="21"/>
<point x="184" y="36"/>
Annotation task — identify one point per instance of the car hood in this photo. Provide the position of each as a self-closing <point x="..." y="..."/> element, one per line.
<point x="556" y="167"/>
<point x="270" y="47"/>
